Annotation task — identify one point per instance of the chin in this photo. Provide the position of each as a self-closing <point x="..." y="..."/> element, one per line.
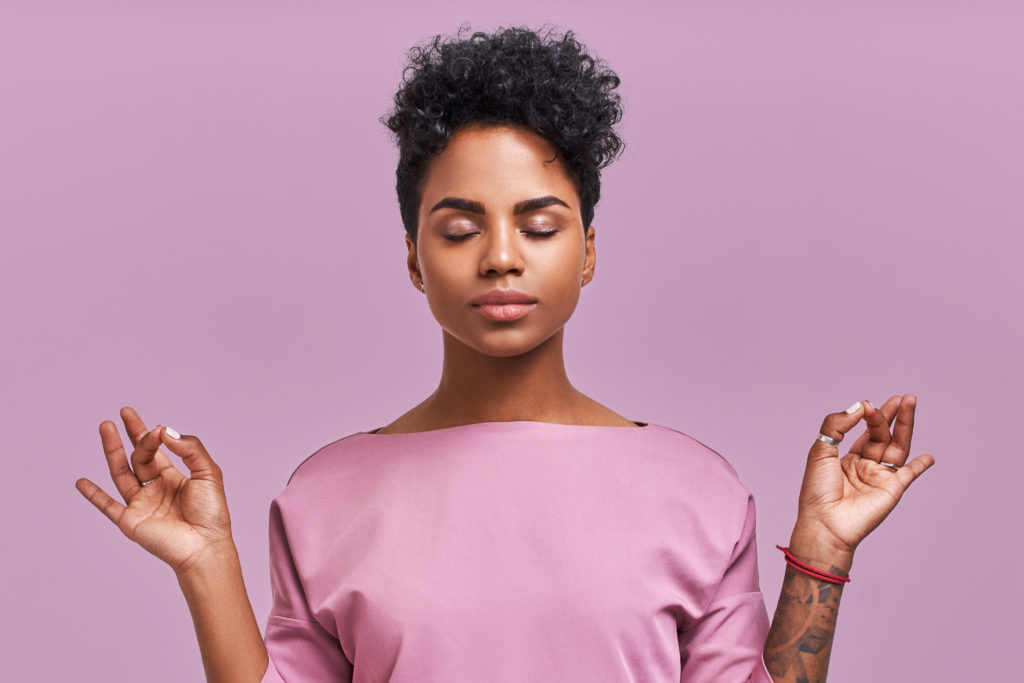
<point x="504" y="349"/>
<point x="503" y="343"/>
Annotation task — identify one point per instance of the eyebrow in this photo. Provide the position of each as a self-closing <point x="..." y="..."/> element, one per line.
<point x="524" y="206"/>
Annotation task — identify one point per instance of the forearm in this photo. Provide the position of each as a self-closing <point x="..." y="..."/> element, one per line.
<point x="229" y="638"/>
<point x="800" y="639"/>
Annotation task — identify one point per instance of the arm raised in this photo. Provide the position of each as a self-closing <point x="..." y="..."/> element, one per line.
<point x="184" y="521"/>
<point x="841" y="501"/>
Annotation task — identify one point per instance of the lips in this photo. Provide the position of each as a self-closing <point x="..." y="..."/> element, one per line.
<point x="504" y="305"/>
<point x="504" y="312"/>
<point x="501" y="297"/>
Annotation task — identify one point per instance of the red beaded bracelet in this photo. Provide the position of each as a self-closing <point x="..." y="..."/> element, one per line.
<point x="811" y="571"/>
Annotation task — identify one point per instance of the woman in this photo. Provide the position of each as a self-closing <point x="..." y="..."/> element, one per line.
<point x="509" y="527"/>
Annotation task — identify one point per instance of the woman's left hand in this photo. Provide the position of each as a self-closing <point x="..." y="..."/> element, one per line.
<point x="843" y="499"/>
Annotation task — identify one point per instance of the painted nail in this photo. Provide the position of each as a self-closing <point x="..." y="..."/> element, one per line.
<point x="171" y="433"/>
<point x="854" y="408"/>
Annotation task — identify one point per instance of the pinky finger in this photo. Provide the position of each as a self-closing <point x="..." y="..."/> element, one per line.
<point x="103" y="502"/>
<point x="914" y="469"/>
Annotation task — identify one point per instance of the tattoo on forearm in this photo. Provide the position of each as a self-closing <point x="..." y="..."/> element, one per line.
<point x="800" y="640"/>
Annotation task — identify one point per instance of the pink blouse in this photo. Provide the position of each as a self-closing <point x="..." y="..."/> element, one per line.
<point x="515" y="551"/>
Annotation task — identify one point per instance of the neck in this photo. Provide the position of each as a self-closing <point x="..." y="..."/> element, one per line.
<point x="475" y="387"/>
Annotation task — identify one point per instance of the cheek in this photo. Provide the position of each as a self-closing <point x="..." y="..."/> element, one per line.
<point x="560" y="270"/>
<point x="439" y="272"/>
<point x="446" y="288"/>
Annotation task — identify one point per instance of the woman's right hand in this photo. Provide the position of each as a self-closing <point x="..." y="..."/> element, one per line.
<point x="180" y="519"/>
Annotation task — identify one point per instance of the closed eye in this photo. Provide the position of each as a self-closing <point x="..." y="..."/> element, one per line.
<point x="540" y="234"/>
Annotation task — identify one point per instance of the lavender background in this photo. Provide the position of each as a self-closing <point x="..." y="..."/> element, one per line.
<point x="818" y="203"/>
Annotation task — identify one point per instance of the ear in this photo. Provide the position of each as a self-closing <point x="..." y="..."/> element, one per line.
<point x="590" y="255"/>
<point x="413" y="263"/>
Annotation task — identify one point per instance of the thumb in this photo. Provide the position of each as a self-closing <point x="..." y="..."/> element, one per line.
<point x="834" y="427"/>
<point x="192" y="452"/>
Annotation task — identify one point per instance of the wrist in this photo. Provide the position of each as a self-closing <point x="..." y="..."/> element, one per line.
<point x="819" y="549"/>
<point x="215" y="561"/>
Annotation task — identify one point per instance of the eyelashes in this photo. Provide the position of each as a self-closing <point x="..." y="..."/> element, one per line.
<point x="538" y="234"/>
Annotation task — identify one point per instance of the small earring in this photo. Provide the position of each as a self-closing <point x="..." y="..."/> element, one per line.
<point x="423" y="287"/>
<point x="584" y="277"/>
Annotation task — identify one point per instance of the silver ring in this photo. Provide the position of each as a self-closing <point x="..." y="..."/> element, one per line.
<point x="891" y="466"/>
<point x="827" y="439"/>
<point x="146" y="483"/>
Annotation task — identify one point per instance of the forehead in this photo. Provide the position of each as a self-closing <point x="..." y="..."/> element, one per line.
<point x="497" y="164"/>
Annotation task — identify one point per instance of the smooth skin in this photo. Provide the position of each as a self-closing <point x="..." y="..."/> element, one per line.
<point x="498" y="168"/>
<point x="487" y="220"/>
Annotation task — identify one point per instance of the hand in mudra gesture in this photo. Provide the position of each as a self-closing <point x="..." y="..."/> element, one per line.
<point x="843" y="499"/>
<point x="178" y="518"/>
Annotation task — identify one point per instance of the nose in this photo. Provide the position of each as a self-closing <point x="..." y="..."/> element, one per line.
<point x="501" y="251"/>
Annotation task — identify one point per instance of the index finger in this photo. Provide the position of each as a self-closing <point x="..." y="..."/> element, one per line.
<point x="889" y="410"/>
<point x="137" y="429"/>
<point x="877" y="431"/>
<point x="147" y="450"/>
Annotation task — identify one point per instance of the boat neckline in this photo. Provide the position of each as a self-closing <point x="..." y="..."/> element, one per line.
<point x="526" y="423"/>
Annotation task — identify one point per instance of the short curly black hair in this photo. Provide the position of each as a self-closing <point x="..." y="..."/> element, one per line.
<point x="545" y="81"/>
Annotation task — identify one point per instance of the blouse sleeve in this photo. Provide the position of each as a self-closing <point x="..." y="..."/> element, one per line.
<point x="299" y="648"/>
<point x="727" y="642"/>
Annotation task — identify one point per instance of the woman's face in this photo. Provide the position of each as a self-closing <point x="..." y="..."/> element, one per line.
<point x="497" y="212"/>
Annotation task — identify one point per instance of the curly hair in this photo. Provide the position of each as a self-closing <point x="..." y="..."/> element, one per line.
<point x="544" y="81"/>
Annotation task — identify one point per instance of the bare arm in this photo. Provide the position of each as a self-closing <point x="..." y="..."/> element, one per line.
<point x="800" y="640"/>
<point x="229" y="637"/>
<point x="841" y="501"/>
<point x="184" y="521"/>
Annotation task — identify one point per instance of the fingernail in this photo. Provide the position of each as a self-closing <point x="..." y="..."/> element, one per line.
<point x="854" y="408"/>
<point x="870" y="403"/>
<point x="171" y="433"/>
